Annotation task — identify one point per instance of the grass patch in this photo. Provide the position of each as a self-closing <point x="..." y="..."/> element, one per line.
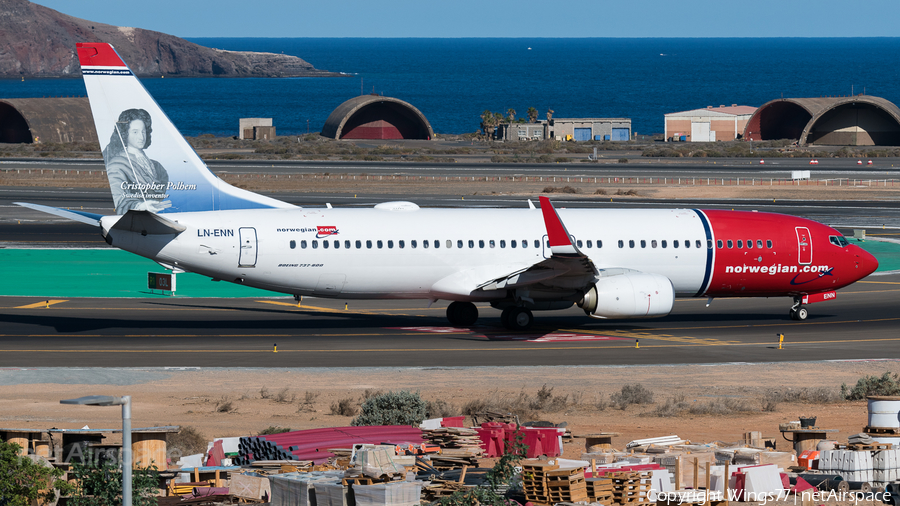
<point x="631" y="394"/>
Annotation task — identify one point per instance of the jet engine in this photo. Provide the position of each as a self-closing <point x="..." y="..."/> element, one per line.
<point x="631" y="294"/>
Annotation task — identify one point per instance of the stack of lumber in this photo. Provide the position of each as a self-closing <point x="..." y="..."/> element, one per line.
<point x="631" y="488"/>
<point x="601" y="490"/>
<point x="535" y="481"/>
<point x="459" y="447"/>
<point x="567" y="485"/>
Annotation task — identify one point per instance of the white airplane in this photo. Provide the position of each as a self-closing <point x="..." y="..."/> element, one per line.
<point x="612" y="263"/>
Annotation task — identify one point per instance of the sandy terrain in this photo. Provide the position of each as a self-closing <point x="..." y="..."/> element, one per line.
<point x="30" y="398"/>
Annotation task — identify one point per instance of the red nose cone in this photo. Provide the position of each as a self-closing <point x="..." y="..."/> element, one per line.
<point x="866" y="263"/>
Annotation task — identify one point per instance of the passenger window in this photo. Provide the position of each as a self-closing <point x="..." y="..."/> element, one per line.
<point x="437" y="244"/>
<point x="631" y="243"/>
<point x="621" y="243"/>
<point x="502" y="243"/>
<point x="759" y="243"/>
<point x="293" y="244"/>
<point x="401" y="243"/>
<point x="768" y="243"/>
<point x="459" y="244"/>
<point x="303" y="244"/>
<point x="749" y="243"/>
<point x="675" y="243"/>
<point x="687" y="244"/>
<point x="653" y="243"/>
<point x="709" y="244"/>
<point x="347" y="244"/>
<point x="379" y="244"/>
<point x="730" y="244"/>
<point x="599" y="243"/>
<point x="315" y="244"/>
<point x="337" y="244"/>
<point x="698" y="244"/>
<point x="578" y="243"/>
<point x="492" y="243"/>
<point x="481" y="243"/>
<point x="471" y="243"/>
<point x="643" y="243"/>
<point x="718" y="243"/>
<point x="740" y="244"/>
<point x="664" y="243"/>
<point x="537" y="243"/>
<point x="325" y="244"/>
<point x="513" y="243"/>
<point x="589" y="243"/>
<point x="524" y="243"/>
<point x="358" y="244"/>
<point x="390" y="243"/>
<point x="369" y="244"/>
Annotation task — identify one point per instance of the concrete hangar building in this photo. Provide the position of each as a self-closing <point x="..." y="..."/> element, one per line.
<point x="857" y="120"/>
<point x="377" y="117"/>
<point x="708" y="125"/>
<point x="57" y="119"/>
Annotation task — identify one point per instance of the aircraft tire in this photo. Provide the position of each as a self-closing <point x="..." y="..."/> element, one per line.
<point x="504" y="317"/>
<point x="520" y="318"/>
<point x="799" y="314"/>
<point x="462" y="313"/>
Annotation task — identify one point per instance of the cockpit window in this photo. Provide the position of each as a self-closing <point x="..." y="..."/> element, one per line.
<point x="838" y="240"/>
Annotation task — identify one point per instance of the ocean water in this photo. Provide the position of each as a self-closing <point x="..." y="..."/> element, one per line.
<point x="452" y="81"/>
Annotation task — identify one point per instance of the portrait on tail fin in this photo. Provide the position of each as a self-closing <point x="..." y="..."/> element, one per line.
<point x="136" y="181"/>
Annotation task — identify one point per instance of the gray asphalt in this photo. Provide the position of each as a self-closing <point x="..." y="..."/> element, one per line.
<point x="862" y="323"/>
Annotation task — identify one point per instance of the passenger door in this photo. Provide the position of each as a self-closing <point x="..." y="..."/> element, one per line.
<point x="804" y="246"/>
<point x="248" y="247"/>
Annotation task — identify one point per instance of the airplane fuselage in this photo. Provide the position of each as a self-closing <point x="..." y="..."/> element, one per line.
<point x="442" y="253"/>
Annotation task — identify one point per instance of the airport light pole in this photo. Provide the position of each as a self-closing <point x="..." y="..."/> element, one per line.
<point x="125" y="402"/>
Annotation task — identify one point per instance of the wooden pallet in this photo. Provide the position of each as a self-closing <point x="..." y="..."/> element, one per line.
<point x="631" y="488"/>
<point x="863" y="447"/>
<point x="361" y="480"/>
<point x="882" y="430"/>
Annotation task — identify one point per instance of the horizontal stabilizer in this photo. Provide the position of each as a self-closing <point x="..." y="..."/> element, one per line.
<point x="147" y="223"/>
<point x="83" y="217"/>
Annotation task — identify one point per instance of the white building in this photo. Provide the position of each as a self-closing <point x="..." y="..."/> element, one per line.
<point x="708" y="125"/>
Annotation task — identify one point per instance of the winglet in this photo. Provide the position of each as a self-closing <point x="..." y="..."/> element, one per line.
<point x="558" y="236"/>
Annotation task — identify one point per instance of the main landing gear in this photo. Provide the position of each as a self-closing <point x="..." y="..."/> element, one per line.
<point x="462" y="314"/>
<point x="798" y="312"/>
<point x="516" y="318"/>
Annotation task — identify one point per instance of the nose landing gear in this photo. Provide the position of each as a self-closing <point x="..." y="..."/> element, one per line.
<point x="798" y="312"/>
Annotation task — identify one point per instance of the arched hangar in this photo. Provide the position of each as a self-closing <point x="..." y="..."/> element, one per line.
<point x="377" y="117"/>
<point x="58" y="119"/>
<point x="858" y="120"/>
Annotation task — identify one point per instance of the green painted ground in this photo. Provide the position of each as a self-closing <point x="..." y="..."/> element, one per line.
<point x="887" y="253"/>
<point x="100" y="273"/>
<point x="115" y="273"/>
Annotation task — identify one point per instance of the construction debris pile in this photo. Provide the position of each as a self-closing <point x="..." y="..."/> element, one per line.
<point x="401" y="465"/>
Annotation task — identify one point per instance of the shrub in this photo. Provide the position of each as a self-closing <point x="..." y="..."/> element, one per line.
<point x="188" y="441"/>
<point x="224" y="406"/>
<point x="272" y="429"/>
<point x="343" y="407"/>
<point x="631" y="394"/>
<point x="818" y="395"/>
<point x="392" y="408"/>
<point x="285" y="396"/>
<point x="24" y="482"/>
<point x="599" y="191"/>
<point x="440" y="409"/>
<point x="103" y="485"/>
<point x="887" y="384"/>
<point x="623" y="160"/>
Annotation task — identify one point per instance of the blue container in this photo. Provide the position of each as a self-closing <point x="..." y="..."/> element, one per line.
<point x="684" y="138"/>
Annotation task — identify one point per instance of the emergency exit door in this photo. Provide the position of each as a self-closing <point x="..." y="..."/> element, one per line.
<point x="804" y="246"/>
<point x="248" y="247"/>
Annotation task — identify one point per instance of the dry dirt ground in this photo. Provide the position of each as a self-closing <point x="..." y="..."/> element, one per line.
<point x="302" y="398"/>
<point x="362" y="184"/>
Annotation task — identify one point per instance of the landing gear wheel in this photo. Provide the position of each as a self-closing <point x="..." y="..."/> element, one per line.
<point x="520" y="318"/>
<point x="463" y="314"/>
<point x="504" y="316"/>
<point x="799" y="314"/>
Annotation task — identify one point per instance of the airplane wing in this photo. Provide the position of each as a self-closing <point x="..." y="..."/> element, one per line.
<point x="567" y="267"/>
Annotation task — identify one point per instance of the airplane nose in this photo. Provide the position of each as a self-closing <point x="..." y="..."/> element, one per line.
<point x="866" y="263"/>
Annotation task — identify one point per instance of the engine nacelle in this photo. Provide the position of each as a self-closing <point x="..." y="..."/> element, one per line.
<point x="630" y="295"/>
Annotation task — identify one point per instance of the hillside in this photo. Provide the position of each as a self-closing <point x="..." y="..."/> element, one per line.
<point x="36" y="41"/>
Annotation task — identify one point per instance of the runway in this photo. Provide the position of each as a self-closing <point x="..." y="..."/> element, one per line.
<point x="180" y="332"/>
<point x="860" y="324"/>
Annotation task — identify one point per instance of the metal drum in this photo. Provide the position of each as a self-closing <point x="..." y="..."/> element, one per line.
<point x="884" y="412"/>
